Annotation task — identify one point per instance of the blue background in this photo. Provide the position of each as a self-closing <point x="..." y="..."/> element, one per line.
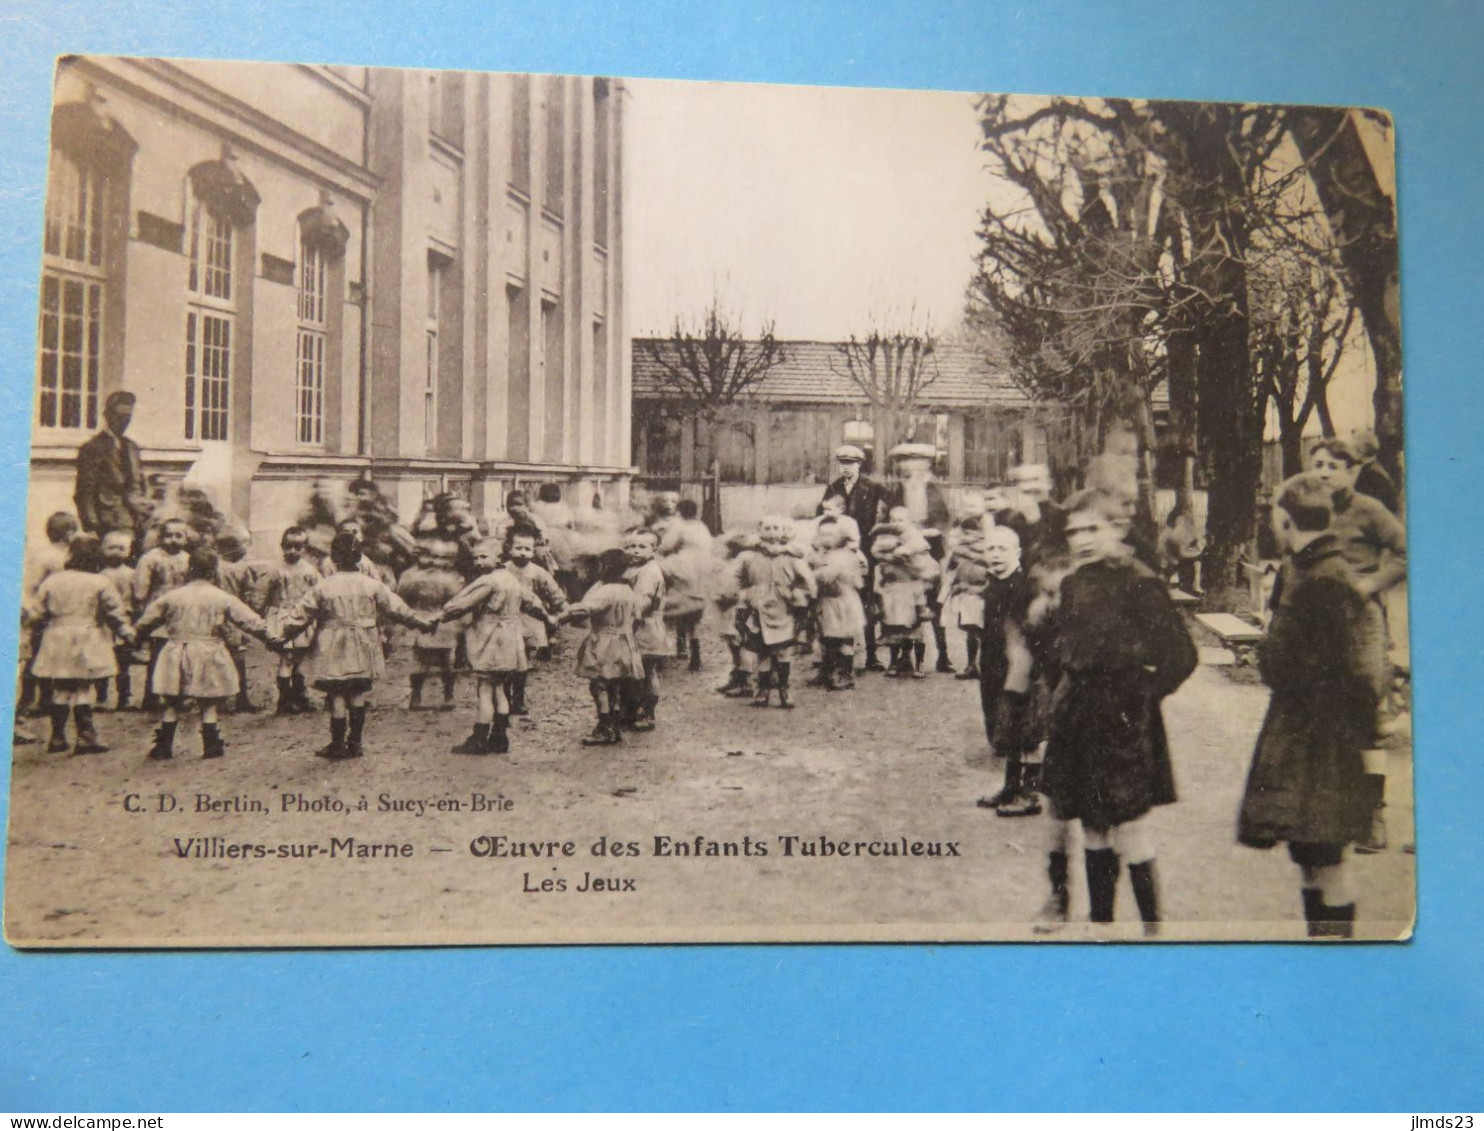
<point x="1000" y="1027"/>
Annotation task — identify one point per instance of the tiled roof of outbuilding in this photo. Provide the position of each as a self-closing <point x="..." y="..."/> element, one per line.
<point x="815" y="373"/>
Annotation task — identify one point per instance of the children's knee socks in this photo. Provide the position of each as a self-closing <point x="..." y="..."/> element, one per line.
<point x="1146" y="890"/>
<point x="1102" y="883"/>
<point x="357" y="726"/>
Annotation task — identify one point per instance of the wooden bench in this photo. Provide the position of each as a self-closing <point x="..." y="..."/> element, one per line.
<point x="1181" y="599"/>
<point x="1233" y="632"/>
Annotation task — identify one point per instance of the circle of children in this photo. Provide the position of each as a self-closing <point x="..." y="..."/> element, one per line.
<point x="1067" y="622"/>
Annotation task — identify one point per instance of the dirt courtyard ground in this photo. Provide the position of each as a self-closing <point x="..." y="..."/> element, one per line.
<point x="414" y="844"/>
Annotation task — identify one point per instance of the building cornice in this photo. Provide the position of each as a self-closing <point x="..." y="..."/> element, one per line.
<point x="180" y="94"/>
<point x="339" y="85"/>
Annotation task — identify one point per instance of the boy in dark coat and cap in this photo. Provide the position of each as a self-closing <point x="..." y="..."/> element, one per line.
<point x="1307" y="783"/>
<point x="1121" y="648"/>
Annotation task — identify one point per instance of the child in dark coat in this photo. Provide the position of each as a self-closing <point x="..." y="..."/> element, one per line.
<point x="1006" y="672"/>
<point x="1307" y="783"/>
<point x="1121" y="648"/>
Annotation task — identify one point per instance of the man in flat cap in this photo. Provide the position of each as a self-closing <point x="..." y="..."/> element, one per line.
<point x="865" y="501"/>
<point x="110" y="491"/>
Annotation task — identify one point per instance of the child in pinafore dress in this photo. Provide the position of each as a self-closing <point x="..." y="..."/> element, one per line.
<point x="426" y="587"/>
<point x="648" y="581"/>
<point x="964" y="575"/>
<point x="41" y="563"/>
<point x="245" y="578"/>
<point x="117" y="546"/>
<point x="195" y="661"/>
<point x="900" y="596"/>
<point x="839" y="572"/>
<point x="541" y="588"/>
<point x="1307" y="783"/>
<point x="776" y="590"/>
<point x="161" y="569"/>
<point x="80" y="616"/>
<point x="728" y="591"/>
<point x="608" y="657"/>
<point x="1121" y="648"/>
<point x="346" y="610"/>
<point x="287" y="583"/>
<point x="495" y="645"/>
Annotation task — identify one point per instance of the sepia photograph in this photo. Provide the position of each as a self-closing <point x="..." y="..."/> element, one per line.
<point x="484" y="508"/>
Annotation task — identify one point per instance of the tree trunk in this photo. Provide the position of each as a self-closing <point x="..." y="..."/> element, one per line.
<point x="1229" y="411"/>
<point x="1364" y="220"/>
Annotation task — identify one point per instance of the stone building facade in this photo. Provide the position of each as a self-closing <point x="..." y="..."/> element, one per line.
<point x="314" y="273"/>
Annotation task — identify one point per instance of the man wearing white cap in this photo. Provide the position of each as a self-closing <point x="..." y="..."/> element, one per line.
<point x="865" y="501"/>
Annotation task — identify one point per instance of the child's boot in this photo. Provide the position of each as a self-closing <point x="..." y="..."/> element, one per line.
<point x="518" y="694"/>
<point x="1102" y="883"/>
<point x="478" y="741"/>
<point x="336" y="749"/>
<point x="1053" y="913"/>
<point x="164" y="748"/>
<point x="826" y="666"/>
<point x="695" y="654"/>
<point x="447" y="691"/>
<point x="1146" y="895"/>
<point x="58" y="743"/>
<point x="734" y="683"/>
<point x="212" y="745"/>
<point x="123" y="685"/>
<point x="844" y="674"/>
<point x="415" y="703"/>
<point x="301" y="694"/>
<point x="919" y="654"/>
<point x="1007" y="792"/>
<point x="285" y="696"/>
<point x="602" y="733"/>
<point x="1337" y="922"/>
<point x="499" y="739"/>
<point x="971" y="647"/>
<point x="783" y="699"/>
<point x="760" y="696"/>
<point x="357" y="728"/>
<point x="87" y="737"/>
<point x="940" y="639"/>
<point x="1313" y="911"/>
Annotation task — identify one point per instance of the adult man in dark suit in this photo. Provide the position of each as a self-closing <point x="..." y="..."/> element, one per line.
<point x="110" y="491"/>
<point x="865" y="502"/>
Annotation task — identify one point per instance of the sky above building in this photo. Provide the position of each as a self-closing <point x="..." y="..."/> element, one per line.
<point x="827" y="210"/>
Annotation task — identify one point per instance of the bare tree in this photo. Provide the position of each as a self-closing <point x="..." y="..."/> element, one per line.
<point x="1301" y="320"/>
<point x="711" y="368"/>
<point x="891" y="368"/>
<point x="1364" y="218"/>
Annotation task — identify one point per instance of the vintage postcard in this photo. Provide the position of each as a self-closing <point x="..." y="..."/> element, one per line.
<point x="493" y="508"/>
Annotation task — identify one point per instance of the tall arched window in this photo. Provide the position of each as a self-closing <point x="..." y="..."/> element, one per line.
<point x="72" y="292"/>
<point x="313" y="332"/>
<point x="219" y="203"/>
<point x="322" y="241"/>
<point x="87" y="190"/>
